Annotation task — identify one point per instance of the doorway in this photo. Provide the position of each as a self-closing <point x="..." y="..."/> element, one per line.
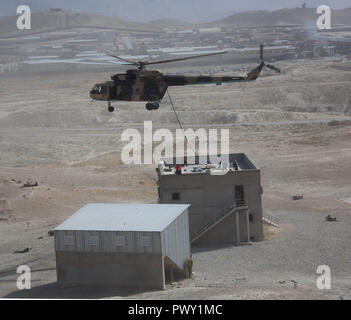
<point x="239" y="195"/>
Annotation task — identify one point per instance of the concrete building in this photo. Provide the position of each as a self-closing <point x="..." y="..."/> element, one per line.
<point x="131" y="245"/>
<point x="225" y="199"/>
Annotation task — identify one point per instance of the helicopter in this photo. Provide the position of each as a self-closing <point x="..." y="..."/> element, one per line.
<point x="150" y="86"/>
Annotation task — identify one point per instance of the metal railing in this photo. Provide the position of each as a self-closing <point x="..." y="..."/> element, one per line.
<point x="238" y="204"/>
<point x="270" y="218"/>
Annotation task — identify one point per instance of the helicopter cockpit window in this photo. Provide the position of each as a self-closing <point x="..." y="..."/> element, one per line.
<point x="95" y="89"/>
<point x="98" y="89"/>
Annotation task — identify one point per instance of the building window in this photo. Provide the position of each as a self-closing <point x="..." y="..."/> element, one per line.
<point x="239" y="196"/>
<point x="250" y="217"/>
<point x="93" y="240"/>
<point x="120" y="241"/>
<point x="176" y="196"/>
<point x="68" y="240"/>
<point x="145" y="242"/>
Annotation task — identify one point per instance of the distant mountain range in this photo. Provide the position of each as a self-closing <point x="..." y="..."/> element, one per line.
<point x="194" y="11"/>
<point x="54" y="20"/>
<point x="297" y="16"/>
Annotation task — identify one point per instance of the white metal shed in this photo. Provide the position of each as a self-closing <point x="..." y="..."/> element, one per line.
<point x="132" y="240"/>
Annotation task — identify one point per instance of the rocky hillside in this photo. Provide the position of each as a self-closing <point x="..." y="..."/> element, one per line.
<point x="56" y="20"/>
<point x="297" y="16"/>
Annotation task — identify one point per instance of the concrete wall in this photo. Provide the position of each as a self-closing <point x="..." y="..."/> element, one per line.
<point x="225" y="231"/>
<point x="211" y="196"/>
<point x="110" y="269"/>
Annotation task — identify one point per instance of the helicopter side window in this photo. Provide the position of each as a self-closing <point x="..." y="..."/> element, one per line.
<point x="130" y="76"/>
<point x="102" y="89"/>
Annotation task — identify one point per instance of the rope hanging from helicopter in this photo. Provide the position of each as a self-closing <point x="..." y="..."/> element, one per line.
<point x="174" y="110"/>
<point x="181" y="127"/>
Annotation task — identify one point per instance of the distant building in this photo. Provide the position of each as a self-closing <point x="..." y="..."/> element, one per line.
<point x="131" y="245"/>
<point x="225" y="199"/>
<point x="184" y="31"/>
<point x="210" y="30"/>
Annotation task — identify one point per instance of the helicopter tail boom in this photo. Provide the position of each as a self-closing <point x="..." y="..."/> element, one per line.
<point x="191" y="80"/>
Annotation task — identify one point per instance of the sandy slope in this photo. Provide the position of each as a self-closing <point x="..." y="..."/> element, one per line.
<point x="52" y="134"/>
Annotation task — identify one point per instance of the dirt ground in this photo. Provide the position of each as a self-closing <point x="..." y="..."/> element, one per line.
<point x="296" y="127"/>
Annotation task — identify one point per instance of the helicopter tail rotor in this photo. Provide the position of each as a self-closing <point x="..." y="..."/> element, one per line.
<point x="263" y="64"/>
<point x="261" y="53"/>
<point x="272" y="68"/>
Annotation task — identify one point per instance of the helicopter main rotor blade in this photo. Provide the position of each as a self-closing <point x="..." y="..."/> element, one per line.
<point x="261" y="52"/>
<point x="185" y="58"/>
<point x="272" y="67"/>
<point x="125" y="60"/>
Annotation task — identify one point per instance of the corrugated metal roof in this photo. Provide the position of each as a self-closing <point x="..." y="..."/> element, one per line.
<point x="123" y="217"/>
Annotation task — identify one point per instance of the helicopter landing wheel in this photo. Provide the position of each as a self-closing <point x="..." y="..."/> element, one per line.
<point x="149" y="106"/>
<point x="110" y="107"/>
<point x="152" y="106"/>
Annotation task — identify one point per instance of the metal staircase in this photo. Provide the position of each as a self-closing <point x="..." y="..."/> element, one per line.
<point x="238" y="205"/>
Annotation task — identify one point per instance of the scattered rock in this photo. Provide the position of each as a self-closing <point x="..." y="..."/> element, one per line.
<point x="40" y="238"/>
<point x="240" y="279"/>
<point x="298" y="197"/>
<point x="329" y="218"/>
<point x="333" y="123"/>
<point x="22" y="251"/>
<point x="29" y="184"/>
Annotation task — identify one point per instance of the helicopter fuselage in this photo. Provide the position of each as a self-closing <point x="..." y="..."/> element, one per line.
<point x="151" y="85"/>
<point x="134" y="85"/>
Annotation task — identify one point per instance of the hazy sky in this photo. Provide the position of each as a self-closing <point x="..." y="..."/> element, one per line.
<point x="146" y="10"/>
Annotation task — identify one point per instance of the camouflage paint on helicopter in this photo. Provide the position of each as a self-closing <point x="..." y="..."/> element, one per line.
<point x="151" y="85"/>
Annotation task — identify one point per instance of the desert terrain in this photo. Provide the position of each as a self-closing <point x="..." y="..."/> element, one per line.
<point x="59" y="151"/>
